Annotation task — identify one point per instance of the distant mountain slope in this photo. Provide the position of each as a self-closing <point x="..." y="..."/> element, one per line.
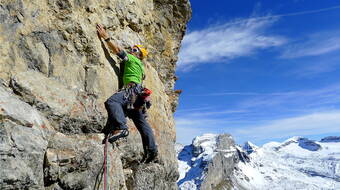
<point x="297" y="163"/>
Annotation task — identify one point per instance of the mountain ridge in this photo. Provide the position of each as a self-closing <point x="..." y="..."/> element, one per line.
<point x="297" y="163"/>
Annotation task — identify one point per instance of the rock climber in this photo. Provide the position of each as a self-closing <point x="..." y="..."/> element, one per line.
<point x="127" y="100"/>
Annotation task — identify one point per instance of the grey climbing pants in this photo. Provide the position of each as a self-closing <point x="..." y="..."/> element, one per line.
<point x="116" y="107"/>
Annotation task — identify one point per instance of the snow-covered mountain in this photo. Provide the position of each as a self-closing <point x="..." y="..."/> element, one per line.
<point x="215" y="162"/>
<point x="249" y="147"/>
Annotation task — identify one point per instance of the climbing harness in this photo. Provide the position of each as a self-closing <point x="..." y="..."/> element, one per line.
<point x="132" y="91"/>
<point x="137" y="96"/>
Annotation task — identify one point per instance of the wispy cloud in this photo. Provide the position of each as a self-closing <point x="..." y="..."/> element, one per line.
<point x="188" y="122"/>
<point x="308" y="99"/>
<point x="314" y="45"/>
<point x="215" y="113"/>
<point x="313" y="68"/>
<point x="326" y="96"/>
<point x="242" y="94"/>
<point x="243" y="37"/>
<point x="261" y="131"/>
<point x="188" y="127"/>
<point x="268" y="115"/>
<point x="227" y="41"/>
<point x="201" y="108"/>
<point x="310" y="124"/>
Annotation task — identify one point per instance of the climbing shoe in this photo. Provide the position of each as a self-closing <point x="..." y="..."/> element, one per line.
<point x="152" y="157"/>
<point x="117" y="134"/>
<point x="145" y="156"/>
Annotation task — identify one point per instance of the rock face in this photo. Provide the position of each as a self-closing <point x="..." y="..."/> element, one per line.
<point x="331" y="139"/>
<point x="55" y="75"/>
<point x="249" y="147"/>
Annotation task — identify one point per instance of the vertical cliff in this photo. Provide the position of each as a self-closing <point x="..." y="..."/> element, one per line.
<point x="55" y="74"/>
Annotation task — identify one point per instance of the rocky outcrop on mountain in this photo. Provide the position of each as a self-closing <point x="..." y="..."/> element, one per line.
<point x="209" y="162"/>
<point x="331" y="139"/>
<point x="249" y="147"/>
<point x="55" y="75"/>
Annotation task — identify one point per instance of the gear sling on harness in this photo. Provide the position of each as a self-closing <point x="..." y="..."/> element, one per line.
<point x="137" y="97"/>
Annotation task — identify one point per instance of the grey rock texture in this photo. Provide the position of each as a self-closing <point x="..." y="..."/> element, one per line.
<point x="209" y="163"/>
<point x="55" y="75"/>
<point x="331" y="139"/>
<point x="23" y="141"/>
<point x="219" y="171"/>
<point x="76" y="161"/>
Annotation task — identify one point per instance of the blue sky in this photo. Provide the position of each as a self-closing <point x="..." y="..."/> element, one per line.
<point x="260" y="70"/>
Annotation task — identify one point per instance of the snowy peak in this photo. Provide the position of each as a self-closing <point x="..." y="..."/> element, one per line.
<point x="301" y="142"/>
<point x="215" y="162"/>
<point x="331" y="139"/>
<point x="205" y="144"/>
<point x="309" y="144"/>
<point x="297" y="163"/>
<point x="249" y="147"/>
<point x="288" y="142"/>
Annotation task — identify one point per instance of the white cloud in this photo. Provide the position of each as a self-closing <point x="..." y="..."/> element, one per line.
<point x="201" y="108"/>
<point x="315" y="45"/>
<point x="228" y="41"/>
<point x="308" y="99"/>
<point x="194" y="123"/>
<point x="308" y="124"/>
<point x="241" y="94"/>
<point x="267" y="116"/>
<point x="185" y="135"/>
<point x="197" y="122"/>
<point x="310" y="69"/>
<point x="215" y="113"/>
<point x="188" y="127"/>
<point x="328" y="95"/>
<point x="311" y="124"/>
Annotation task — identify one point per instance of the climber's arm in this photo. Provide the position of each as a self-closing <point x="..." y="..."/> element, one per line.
<point x="103" y="34"/>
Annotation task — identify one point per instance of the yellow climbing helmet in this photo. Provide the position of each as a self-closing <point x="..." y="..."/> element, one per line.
<point x="143" y="51"/>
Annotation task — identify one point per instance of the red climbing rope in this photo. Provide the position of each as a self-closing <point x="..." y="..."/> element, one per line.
<point x="105" y="164"/>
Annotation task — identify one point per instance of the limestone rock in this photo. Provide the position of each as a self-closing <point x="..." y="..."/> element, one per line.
<point x="23" y="140"/>
<point x="70" y="111"/>
<point x="61" y="73"/>
<point x="13" y="109"/>
<point x="76" y="162"/>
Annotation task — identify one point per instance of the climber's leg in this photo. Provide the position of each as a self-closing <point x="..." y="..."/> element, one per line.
<point x="116" y="117"/>
<point x="148" y="138"/>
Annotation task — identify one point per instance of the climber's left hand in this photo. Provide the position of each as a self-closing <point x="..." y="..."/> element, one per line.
<point x="101" y="31"/>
